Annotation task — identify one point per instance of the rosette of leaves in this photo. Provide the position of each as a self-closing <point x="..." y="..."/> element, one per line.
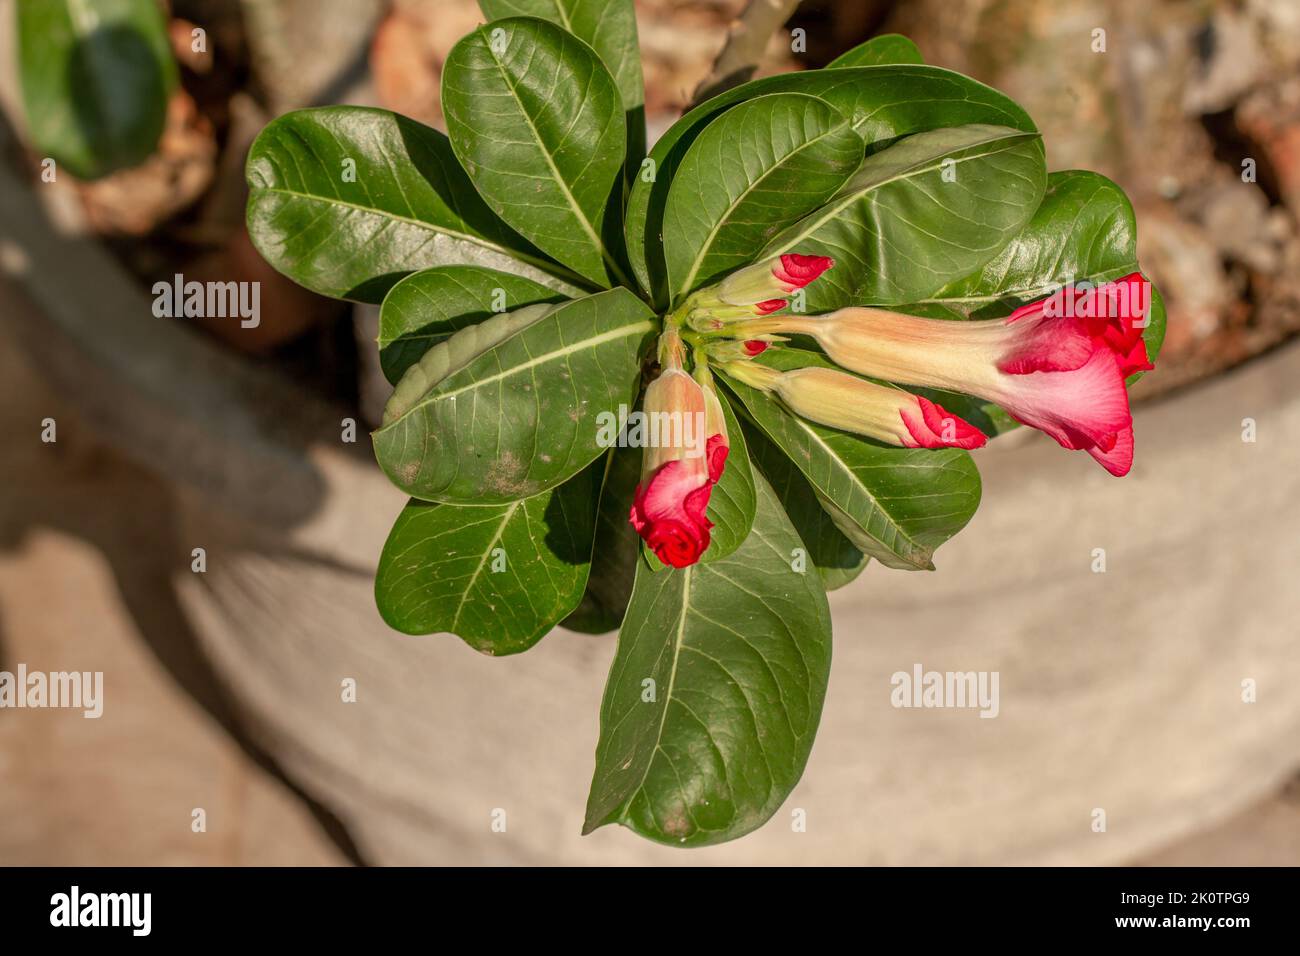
<point x="525" y="262"/>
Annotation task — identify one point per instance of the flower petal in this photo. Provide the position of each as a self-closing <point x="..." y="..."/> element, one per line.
<point x="1119" y="458"/>
<point x="1079" y="409"/>
<point x="796" y="271"/>
<point x="936" y="427"/>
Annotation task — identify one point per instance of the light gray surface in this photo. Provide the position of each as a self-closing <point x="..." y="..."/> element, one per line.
<point x="1119" y="691"/>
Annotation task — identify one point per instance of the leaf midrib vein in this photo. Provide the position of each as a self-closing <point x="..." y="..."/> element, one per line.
<point x="546" y="267"/>
<point x="744" y="194"/>
<point x="833" y="209"/>
<point x="581" y="216"/>
<point x="612" y="335"/>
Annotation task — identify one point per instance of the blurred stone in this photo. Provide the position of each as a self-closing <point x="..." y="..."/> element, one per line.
<point x="181" y="34"/>
<point x="1270" y="117"/>
<point x="679" y="42"/>
<point x="409" y="50"/>
<point x="1279" y="33"/>
<point x="1236" y="214"/>
<point x="303" y="49"/>
<point x="1231" y="62"/>
<point x="1193" y="280"/>
<point x="135" y="201"/>
<point x="88" y="551"/>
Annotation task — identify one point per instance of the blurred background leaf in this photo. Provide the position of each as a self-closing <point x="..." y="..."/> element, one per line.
<point x="96" y="75"/>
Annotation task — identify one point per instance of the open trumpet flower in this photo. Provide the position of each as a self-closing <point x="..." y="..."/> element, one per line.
<point x="1058" y="364"/>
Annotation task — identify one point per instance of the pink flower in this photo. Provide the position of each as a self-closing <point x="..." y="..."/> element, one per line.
<point x="1060" y="333"/>
<point x="852" y="404"/>
<point x="677" y="475"/>
<point x="1058" y="365"/>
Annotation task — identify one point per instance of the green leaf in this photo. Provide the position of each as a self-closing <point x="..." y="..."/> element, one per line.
<point x="426" y="307"/>
<point x="609" y="28"/>
<point x="497" y="576"/>
<point x="347" y="200"/>
<point x="1084" y="229"/>
<point x="609" y="587"/>
<point x="455" y="352"/>
<point x="931" y="208"/>
<point x="96" y="78"/>
<point x="536" y="120"/>
<point x="836" y="559"/>
<point x="882" y="102"/>
<point x="738" y="652"/>
<point x="757" y="169"/>
<point x="732" y="501"/>
<point x="520" y="415"/>
<point x="895" y="504"/>
<point x="884" y="49"/>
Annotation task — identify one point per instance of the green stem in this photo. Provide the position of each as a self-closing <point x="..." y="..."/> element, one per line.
<point x="752" y="374"/>
<point x="672" y="353"/>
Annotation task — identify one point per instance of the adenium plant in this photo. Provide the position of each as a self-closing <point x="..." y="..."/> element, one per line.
<point x="799" y="311"/>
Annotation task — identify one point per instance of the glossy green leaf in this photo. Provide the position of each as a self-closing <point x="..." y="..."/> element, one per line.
<point x="896" y="505"/>
<point x="347" y="200"/>
<point x="754" y="171"/>
<point x="1084" y="229"/>
<point x="827" y="549"/>
<point x="929" y="209"/>
<point x="519" y="416"/>
<point x="609" y="586"/>
<point x="609" y="28"/>
<point x="96" y="78"/>
<point x="878" y="51"/>
<point x="732" y="502"/>
<point x="715" y="692"/>
<point x="537" y="123"/>
<point x="426" y="307"/>
<point x="497" y="576"/>
<point x="882" y="103"/>
<point x="457" y="351"/>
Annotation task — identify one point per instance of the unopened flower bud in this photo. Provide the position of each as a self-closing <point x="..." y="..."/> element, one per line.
<point x="847" y="402"/>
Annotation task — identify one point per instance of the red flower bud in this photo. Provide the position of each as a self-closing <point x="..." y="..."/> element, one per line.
<point x="796" y="271"/>
<point x="761" y="288"/>
<point x="679" y="469"/>
<point x="847" y="402"/>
